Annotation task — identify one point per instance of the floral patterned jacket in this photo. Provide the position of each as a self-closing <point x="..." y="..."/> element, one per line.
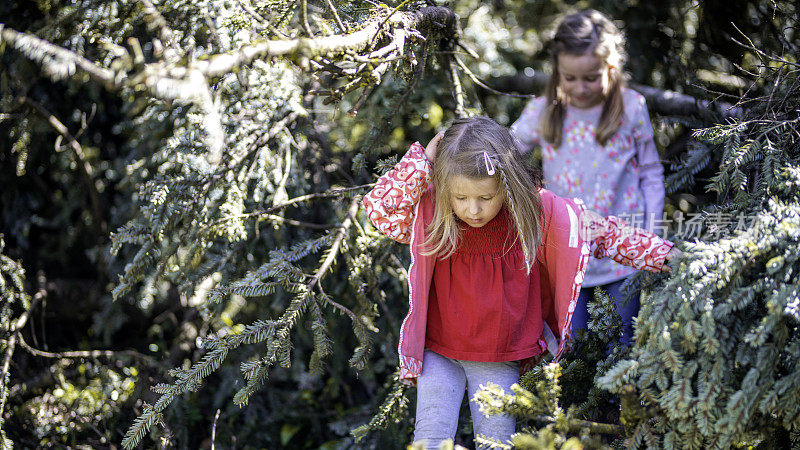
<point x="401" y="207"/>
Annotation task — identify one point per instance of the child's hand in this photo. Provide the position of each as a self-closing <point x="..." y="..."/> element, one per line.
<point x="430" y="150"/>
<point x="674" y="253"/>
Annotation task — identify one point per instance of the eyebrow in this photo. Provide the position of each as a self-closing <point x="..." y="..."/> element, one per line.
<point x="459" y="194"/>
<point x="593" y="72"/>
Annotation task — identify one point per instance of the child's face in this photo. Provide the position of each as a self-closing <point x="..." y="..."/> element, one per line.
<point x="583" y="79"/>
<point x="475" y="202"/>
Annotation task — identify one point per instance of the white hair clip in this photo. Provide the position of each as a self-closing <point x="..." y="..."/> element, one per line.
<point x="488" y="162"/>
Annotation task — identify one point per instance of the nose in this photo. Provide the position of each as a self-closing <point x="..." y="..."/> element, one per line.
<point x="474" y="207"/>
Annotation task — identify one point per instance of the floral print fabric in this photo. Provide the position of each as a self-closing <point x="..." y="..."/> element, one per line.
<point x="623" y="178"/>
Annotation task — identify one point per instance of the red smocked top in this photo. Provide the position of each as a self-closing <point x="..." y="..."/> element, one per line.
<point x="483" y="305"/>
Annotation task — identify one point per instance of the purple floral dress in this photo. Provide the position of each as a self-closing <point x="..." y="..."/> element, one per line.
<point x="624" y="178"/>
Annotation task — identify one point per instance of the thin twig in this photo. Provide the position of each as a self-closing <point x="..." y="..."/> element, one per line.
<point x="360" y="102"/>
<point x="336" y="16"/>
<point x="336" y="305"/>
<point x="214" y="430"/>
<point x="484" y="85"/>
<point x="304" y="17"/>
<point x="294" y="201"/>
<point x="389" y="16"/>
<point x="14" y="329"/>
<point x="112" y="354"/>
<point x="351" y="215"/>
<point x="297" y="223"/>
<point x="458" y="91"/>
<point x="86" y="168"/>
<point x="261" y="20"/>
<point x="250" y="10"/>
<point x="469" y="51"/>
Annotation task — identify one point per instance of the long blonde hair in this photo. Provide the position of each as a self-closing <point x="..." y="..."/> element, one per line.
<point x="578" y="34"/>
<point x="461" y="153"/>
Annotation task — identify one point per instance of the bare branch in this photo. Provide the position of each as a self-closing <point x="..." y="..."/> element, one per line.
<point x="458" y="91"/>
<point x="11" y="343"/>
<point x="480" y="83"/>
<point x="310" y="48"/>
<point x="51" y="55"/>
<point x="351" y="215"/>
<point x="304" y="17"/>
<point x="294" y="201"/>
<point x="112" y="354"/>
<point x="658" y="101"/>
<point x="333" y="11"/>
<point x="297" y="223"/>
<point x="86" y="168"/>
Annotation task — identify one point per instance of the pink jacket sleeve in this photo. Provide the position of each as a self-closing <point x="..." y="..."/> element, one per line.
<point x="613" y="238"/>
<point x="651" y="171"/>
<point x="390" y="204"/>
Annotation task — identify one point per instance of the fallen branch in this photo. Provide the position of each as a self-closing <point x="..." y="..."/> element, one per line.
<point x="658" y="101"/>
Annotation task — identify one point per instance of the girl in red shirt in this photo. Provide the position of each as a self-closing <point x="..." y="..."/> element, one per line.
<point x="496" y="268"/>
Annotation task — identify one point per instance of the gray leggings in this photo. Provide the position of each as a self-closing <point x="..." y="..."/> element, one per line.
<point x="440" y="390"/>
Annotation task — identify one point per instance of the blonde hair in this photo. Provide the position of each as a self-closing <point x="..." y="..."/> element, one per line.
<point x="461" y="153"/>
<point x="578" y="34"/>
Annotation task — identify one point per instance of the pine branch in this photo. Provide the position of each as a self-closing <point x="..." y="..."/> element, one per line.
<point x="392" y="407"/>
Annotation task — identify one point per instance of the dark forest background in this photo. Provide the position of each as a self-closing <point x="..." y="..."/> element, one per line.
<point x="184" y="261"/>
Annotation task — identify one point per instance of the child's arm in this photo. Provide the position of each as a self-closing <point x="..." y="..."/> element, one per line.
<point x="631" y="246"/>
<point x="526" y="128"/>
<point x="390" y="204"/>
<point x="651" y="171"/>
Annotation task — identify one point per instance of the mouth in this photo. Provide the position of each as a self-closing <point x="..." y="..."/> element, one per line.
<point x="474" y="220"/>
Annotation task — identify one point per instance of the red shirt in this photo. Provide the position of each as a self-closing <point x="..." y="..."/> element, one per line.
<point x="483" y="306"/>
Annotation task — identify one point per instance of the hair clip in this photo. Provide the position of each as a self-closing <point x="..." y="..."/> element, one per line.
<point x="488" y="162"/>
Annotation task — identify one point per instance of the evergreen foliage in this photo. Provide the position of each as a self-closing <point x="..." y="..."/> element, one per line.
<point x="12" y="291"/>
<point x="184" y="182"/>
<point x="717" y="354"/>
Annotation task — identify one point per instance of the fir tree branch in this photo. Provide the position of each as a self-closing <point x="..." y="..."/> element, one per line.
<point x="337" y="305"/>
<point x="577" y="425"/>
